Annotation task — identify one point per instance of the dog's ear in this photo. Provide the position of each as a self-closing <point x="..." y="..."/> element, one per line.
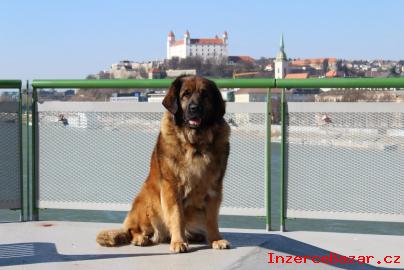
<point x="170" y="101"/>
<point x="219" y="104"/>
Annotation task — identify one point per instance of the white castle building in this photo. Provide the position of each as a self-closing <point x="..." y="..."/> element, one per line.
<point x="202" y="47"/>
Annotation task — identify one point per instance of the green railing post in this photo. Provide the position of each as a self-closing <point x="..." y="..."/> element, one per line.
<point x="283" y="159"/>
<point x="27" y="154"/>
<point x="34" y="155"/>
<point x="268" y="155"/>
<point x="22" y="213"/>
<point x="16" y="84"/>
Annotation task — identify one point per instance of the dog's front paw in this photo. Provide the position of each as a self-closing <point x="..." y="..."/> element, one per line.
<point x="141" y="240"/>
<point x="178" y="247"/>
<point x="221" y="244"/>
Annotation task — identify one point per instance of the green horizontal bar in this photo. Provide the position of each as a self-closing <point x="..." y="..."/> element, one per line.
<point x="224" y="83"/>
<point x="161" y="83"/>
<point x="10" y="84"/>
<point x="245" y="83"/>
<point x="341" y="83"/>
<point x="101" y="83"/>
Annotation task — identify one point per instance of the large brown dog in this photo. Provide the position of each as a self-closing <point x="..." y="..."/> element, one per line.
<point x="180" y="198"/>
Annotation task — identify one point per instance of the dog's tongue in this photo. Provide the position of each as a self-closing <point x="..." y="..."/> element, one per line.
<point x="195" y="122"/>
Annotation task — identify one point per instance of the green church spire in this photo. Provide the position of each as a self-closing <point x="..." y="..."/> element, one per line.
<point x="282" y="45"/>
<point x="281" y="54"/>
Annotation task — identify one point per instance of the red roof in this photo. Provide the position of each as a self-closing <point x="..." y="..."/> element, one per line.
<point x="247" y="59"/>
<point x="178" y="42"/>
<point x="297" y="76"/>
<point x="242" y="58"/>
<point x="331" y="73"/>
<point x="154" y="70"/>
<point x="206" y="41"/>
<point x="312" y="61"/>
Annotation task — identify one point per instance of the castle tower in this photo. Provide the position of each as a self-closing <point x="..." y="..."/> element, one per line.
<point x="170" y="41"/>
<point x="225" y="37"/>
<point x="187" y="43"/>
<point x="281" y="61"/>
<point x="186" y="35"/>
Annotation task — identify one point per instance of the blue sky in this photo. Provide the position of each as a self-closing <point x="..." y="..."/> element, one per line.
<point x="71" y="38"/>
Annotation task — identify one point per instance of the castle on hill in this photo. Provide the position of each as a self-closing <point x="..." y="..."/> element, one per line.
<point x="205" y="48"/>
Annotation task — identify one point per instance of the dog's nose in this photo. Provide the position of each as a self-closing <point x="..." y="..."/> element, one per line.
<point x="193" y="107"/>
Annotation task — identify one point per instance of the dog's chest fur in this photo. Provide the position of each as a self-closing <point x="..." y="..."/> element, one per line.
<point x="196" y="165"/>
<point x="199" y="174"/>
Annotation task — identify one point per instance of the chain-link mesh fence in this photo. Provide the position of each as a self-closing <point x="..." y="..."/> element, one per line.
<point x="345" y="161"/>
<point x="96" y="155"/>
<point x="10" y="184"/>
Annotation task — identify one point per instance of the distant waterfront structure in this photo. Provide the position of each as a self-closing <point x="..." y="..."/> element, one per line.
<point x="281" y="61"/>
<point x="156" y="97"/>
<point x="205" y="48"/>
<point x="173" y="73"/>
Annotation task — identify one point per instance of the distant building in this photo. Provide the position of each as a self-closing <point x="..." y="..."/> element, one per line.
<point x="251" y="95"/>
<point x="320" y="64"/>
<point x="154" y="73"/>
<point x="331" y="74"/>
<point x="303" y="75"/>
<point x="227" y="95"/>
<point x="124" y="70"/>
<point x="127" y="97"/>
<point x="129" y="69"/>
<point x="156" y="97"/>
<point x="371" y="73"/>
<point x="173" y="73"/>
<point x="204" y="48"/>
<point x="356" y="95"/>
<point x="269" y="67"/>
<point x="243" y="59"/>
<point x="70" y="93"/>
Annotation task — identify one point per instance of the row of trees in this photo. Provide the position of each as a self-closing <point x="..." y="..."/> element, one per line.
<point x="209" y="67"/>
<point x="212" y="67"/>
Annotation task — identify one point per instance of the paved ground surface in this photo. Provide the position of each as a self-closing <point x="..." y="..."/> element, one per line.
<point x="71" y="245"/>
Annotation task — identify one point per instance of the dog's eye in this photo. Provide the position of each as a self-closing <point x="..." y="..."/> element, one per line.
<point x="204" y="94"/>
<point x="187" y="93"/>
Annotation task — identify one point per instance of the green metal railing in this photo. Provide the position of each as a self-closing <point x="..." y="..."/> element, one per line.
<point x="10" y="84"/>
<point x="162" y="83"/>
<point x="341" y="83"/>
<point x="222" y="83"/>
<point x="230" y="83"/>
<point x="17" y="84"/>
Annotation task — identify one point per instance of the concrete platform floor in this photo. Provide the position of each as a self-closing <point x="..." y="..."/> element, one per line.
<point x="71" y="245"/>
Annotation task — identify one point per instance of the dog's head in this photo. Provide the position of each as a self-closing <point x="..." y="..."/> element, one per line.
<point x="196" y="102"/>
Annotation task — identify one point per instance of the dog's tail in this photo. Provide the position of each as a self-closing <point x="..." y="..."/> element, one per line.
<point x="114" y="237"/>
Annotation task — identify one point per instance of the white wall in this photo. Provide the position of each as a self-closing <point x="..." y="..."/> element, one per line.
<point x="242" y="98"/>
<point x="202" y="50"/>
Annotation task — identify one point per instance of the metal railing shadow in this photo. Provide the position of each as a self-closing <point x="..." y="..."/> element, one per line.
<point x="36" y="252"/>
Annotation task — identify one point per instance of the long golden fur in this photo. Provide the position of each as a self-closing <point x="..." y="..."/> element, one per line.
<point x="180" y="198"/>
